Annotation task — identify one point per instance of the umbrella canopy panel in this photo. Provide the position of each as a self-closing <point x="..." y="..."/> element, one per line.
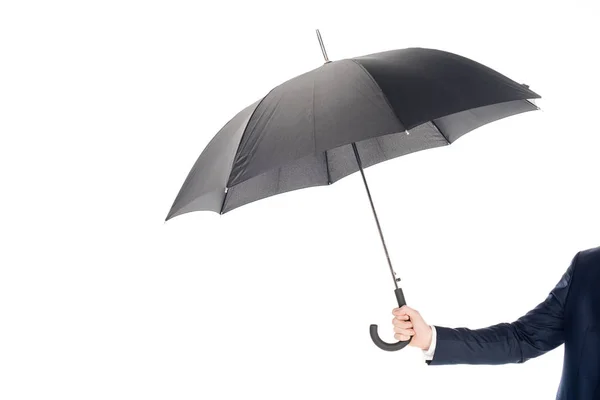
<point x="389" y="104"/>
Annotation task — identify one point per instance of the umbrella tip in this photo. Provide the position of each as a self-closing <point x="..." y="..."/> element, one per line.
<point x="322" y="47"/>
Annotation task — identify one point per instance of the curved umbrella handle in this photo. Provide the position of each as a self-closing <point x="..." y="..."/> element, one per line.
<point x="375" y="335"/>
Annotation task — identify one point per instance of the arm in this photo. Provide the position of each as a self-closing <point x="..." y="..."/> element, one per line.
<point x="535" y="333"/>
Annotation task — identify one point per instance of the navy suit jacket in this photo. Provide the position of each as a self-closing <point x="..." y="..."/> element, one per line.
<point x="570" y="315"/>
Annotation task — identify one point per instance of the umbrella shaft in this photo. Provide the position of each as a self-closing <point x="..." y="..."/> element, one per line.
<point x="387" y="255"/>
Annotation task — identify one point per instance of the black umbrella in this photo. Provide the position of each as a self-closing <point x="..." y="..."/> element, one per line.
<point x="343" y="117"/>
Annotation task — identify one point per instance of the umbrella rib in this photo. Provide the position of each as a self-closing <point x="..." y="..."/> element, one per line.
<point x="314" y="119"/>
<point x="387" y="101"/>
<point x="440" y="131"/>
<point x="327" y="168"/>
<point x="237" y="150"/>
<point x="245" y="132"/>
<point x="224" y="198"/>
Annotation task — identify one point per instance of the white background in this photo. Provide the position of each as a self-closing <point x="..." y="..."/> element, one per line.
<point x="105" y="106"/>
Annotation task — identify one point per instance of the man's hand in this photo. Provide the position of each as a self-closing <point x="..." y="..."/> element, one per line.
<point x="408" y="322"/>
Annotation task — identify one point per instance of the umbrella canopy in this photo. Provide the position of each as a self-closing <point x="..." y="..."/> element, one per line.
<point x="302" y="133"/>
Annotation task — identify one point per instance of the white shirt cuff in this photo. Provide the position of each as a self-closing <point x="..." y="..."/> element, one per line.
<point x="431" y="351"/>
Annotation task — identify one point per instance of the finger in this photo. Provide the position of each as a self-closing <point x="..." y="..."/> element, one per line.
<point x="397" y="312"/>
<point x="405" y="310"/>
<point x="401" y="323"/>
<point x="402" y="310"/>
<point x="400" y="337"/>
<point x="406" y="332"/>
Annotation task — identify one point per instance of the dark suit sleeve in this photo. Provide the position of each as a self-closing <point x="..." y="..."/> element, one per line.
<point x="537" y="332"/>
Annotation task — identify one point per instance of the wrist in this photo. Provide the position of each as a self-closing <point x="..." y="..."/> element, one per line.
<point x="428" y="340"/>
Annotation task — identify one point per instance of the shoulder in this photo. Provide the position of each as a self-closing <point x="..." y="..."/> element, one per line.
<point x="590" y="257"/>
<point x="586" y="264"/>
